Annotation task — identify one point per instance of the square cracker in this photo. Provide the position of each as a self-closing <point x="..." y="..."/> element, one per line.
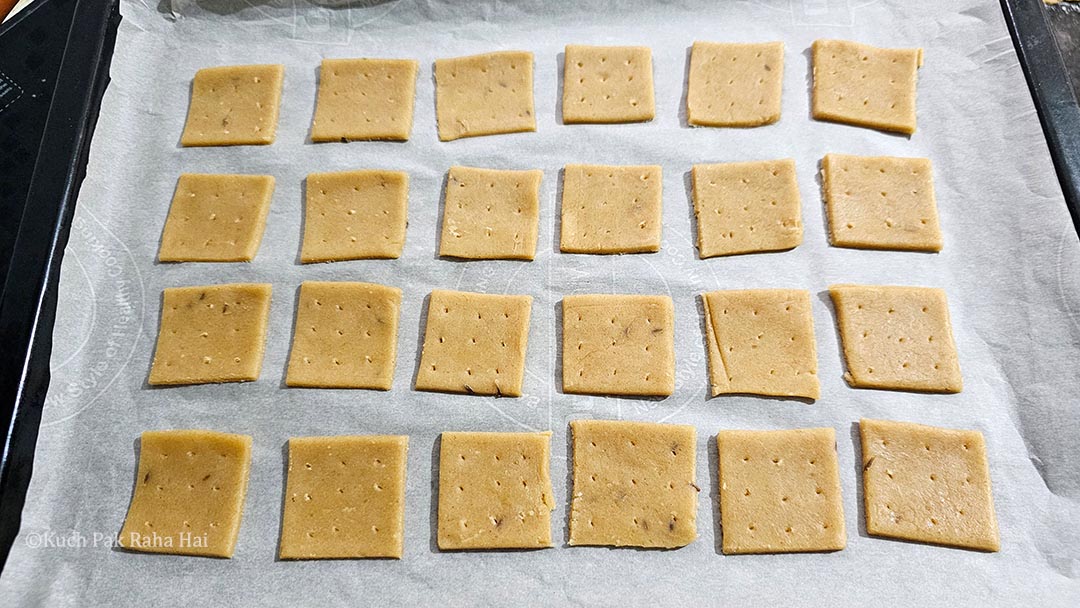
<point x="618" y="345"/>
<point x="495" y="491"/>
<point x="491" y="214"/>
<point x="474" y="343"/>
<point x="363" y="99"/>
<point x="746" y="207"/>
<point x="216" y="218"/>
<point x="211" y="334"/>
<point x="864" y="85"/>
<point x="927" y="484"/>
<point x="611" y="209"/>
<point x="355" y="215"/>
<point x="345" y="336"/>
<point x="880" y="202"/>
<point x="189" y="493"/>
<point x="234" y="105"/>
<point x="780" y="491"/>
<point x="484" y="95"/>
<point x="734" y="84"/>
<point x="897" y="338"/>
<point x="761" y="341"/>
<point x="633" y="484"/>
<point x="607" y="84"/>
<point x="344" y="497"/>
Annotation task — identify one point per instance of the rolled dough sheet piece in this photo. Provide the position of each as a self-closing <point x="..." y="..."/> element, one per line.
<point x="618" y="345"/>
<point x="484" y="94"/>
<point x="780" y="491"/>
<point x="880" y="202"/>
<point x="633" y="484"/>
<point x="345" y="336"/>
<point x="866" y="86"/>
<point x="495" y="491"/>
<point x="747" y="207"/>
<point x="491" y="214"/>
<point x="355" y="215"/>
<point x="927" y="484"/>
<point x="607" y="84"/>
<point x="211" y="334"/>
<point x="734" y="84"/>
<point x="761" y="341"/>
<point x="474" y="343"/>
<point x="364" y="99"/>
<point x="189" y="493"/>
<point x="611" y="209"/>
<point x="216" y="218"/>
<point x="234" y="105"/>
<point x="897" y="338"/>
<point x="345" y="497"/>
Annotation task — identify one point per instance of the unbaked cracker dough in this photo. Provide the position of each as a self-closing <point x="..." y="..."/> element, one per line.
<point x="927" y="484"/>
<point x="735" y="84"/>
<point x="364" y="99"/>
<point x="484" y="94"/>
<point x="864" y="85"/>
<point x="216" y="218"/>
<point x="611" y="209"/>
<point x="234" y="105"/>
<point x="491" y="214"/>
<point x="607" y="84"/>
<point x="355" y="215"/>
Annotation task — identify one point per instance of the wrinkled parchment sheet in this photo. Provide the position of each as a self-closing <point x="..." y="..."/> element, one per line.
<point x="1011" y="267"/>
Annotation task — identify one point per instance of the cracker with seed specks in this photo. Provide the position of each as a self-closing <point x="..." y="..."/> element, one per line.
<point x="211" y="334"/>
<point x="611" y="209"/>
<point x="880" y="202"/>
<point x="761" y="341"/>
<point x="484" y="95"/>
<point x="780" y="491"/>
<point x="746" y="207"/>
<point x="355" y="215"/>
<point x="216" y="218"/>
<point x="365" y="99"/>
<point x="866" y="86"/>
<point x="607" y="84"/>
<point x="897" y="338"/>
<point x="189" y="493"/>
<point x="495" y="491"/>
<point x="234" y="105"/>
<point x="633" y="484"/>
<point x="927" y="484"/>
<point x="345" y="336"/>
<point x="491" y="214"/>
<point x="735" y="84"/>
<point x="474" y="343"/>
<point x="344" y="497"/>
<point x="618" y="345"/>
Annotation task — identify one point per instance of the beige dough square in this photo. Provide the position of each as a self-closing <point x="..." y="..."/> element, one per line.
<point x="734" y="84"/>
<point x="897" y="338"/>
<point x="761" y="342"/>
<point x="607" y="84"/>
<point x="866" y="86"/>
<point x="474" y="343"/>
<point x="927" y="484"/>
<point x="355" y="215"/>
<point x="234" y="105"/>
<point x="345" y="336"/>
<point x="211" y="334"/>
<point x="491" y="214"/>
<point x="611" y="209"/>
<point x="345" y="497"/>
<point x="189" y="493"/>
<point x="780" y="491"/>
<point x="880" y="202"/>
<point x="484" y="95"/>
<point x="216" y="218"/>
<point x="495" y="491"/>
<point x="747" y="207"/>
<point x="618" y="345"/>
<point x="633" y="484"/>
<point x="365" y="99"/>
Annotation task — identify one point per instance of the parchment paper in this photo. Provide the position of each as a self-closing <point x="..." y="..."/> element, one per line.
<point x="1011" y="266"/>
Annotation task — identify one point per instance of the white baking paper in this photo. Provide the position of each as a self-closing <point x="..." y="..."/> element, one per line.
<point x="1011" y="267"/>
